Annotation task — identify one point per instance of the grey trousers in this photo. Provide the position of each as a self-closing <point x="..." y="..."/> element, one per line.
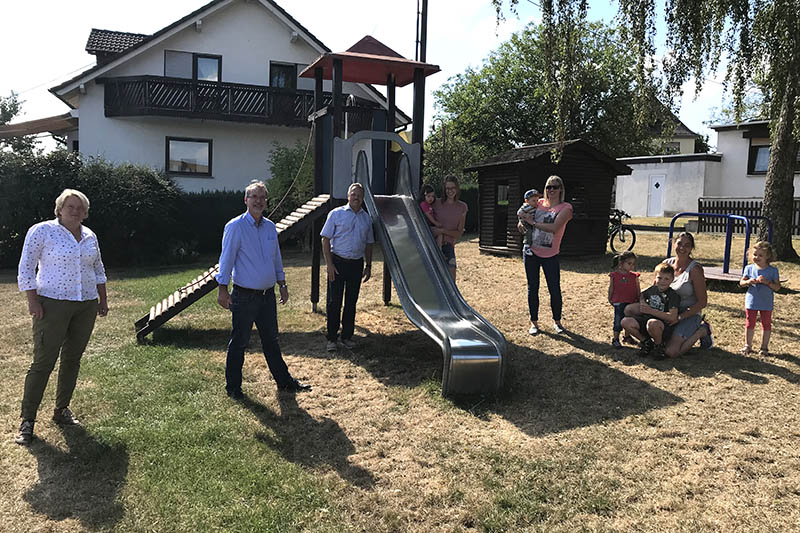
<point x="63" y="331"/>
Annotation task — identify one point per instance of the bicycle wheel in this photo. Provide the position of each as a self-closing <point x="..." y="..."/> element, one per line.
<point x="622" y="239"/>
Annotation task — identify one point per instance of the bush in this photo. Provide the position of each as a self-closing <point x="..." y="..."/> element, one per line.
<point x="134" y="210"/>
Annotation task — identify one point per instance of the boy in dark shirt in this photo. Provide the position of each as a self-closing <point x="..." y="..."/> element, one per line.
<point x="658" y="311"/>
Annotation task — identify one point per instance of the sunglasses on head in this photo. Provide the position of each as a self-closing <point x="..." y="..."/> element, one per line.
<point x="552" y="187"/>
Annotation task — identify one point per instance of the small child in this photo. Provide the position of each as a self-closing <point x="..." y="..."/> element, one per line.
<point x="428" y="198"/>
<point x="762" y="281"/>
<point x="658" y="306"/>
<point x="527" y="211"/>
<point x="623" y="289"/>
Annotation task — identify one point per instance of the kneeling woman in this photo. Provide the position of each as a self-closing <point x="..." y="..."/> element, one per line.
<point x="549" y="222"/>
<point x="63" y="277"/>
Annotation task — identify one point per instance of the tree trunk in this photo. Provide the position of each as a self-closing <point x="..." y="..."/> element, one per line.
<point x="779" y="186"/>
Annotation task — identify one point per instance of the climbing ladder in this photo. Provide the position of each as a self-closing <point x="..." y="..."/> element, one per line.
<point x="206" y="282"/>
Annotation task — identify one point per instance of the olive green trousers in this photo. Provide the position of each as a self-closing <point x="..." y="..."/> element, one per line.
<point x="63" y="332"/>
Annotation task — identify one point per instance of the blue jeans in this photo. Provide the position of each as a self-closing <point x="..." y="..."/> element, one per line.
<point x="345" y="287"/>
<point x="552" y="275"/>
<point x="248" y="308"/>
<point x="619" y="314"/>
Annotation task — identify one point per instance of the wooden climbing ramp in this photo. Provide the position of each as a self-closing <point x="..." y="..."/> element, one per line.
<point x="300" y="219"/>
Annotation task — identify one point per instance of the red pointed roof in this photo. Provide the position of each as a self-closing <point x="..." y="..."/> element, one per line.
<point x="370" y="61"/>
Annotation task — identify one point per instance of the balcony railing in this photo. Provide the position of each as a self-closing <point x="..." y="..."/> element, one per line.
<point x="177" y="97"/>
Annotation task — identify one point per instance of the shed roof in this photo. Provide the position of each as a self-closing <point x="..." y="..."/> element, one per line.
<point x="536" y="151"/>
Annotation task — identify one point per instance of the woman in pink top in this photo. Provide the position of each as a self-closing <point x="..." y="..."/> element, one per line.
<point x="452" y="215"/>
<point x="549" y="222"/>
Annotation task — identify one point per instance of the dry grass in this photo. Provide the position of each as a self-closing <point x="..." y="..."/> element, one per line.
<point x="585" y="437"/>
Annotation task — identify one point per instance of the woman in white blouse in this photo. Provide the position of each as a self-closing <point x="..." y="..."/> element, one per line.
<point x="62" y="275"/>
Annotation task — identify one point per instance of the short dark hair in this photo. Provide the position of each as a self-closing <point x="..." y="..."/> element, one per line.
<point x="426" y="189"/>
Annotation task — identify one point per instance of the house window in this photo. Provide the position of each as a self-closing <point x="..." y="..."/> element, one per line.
<point x="207" y="68"/>
<point x="178" y="64"/>
<point x="758" y="158"/>
<point x="283" y="75"/>
<point x="188" y="157"/>
<point x="192" y="66"/>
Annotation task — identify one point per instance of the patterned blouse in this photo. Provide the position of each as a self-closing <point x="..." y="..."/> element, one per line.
<point x="67" y="269"/>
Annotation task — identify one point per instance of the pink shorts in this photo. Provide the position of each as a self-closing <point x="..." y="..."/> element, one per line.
<point x="750" y="319"/>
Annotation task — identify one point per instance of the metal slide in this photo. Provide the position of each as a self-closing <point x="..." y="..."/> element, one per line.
<point x="473" y="349"/>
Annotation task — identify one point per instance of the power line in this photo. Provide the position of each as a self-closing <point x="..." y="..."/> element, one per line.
<point x="56" y="78"/>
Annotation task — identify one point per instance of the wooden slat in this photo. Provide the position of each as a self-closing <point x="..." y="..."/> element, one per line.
<point x="206" y="282"/>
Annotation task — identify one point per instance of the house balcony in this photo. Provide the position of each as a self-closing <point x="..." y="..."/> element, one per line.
<point x="177" y="97"/>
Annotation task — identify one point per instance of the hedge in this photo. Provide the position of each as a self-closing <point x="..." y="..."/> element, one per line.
<point x="139" y="215"/>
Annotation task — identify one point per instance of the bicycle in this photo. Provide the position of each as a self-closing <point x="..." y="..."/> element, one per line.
<point x="620" y="236"/>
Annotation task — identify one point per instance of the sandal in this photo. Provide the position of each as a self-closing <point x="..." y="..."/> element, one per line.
<point x="763" y="352"/>
<point x="746" y="350"/>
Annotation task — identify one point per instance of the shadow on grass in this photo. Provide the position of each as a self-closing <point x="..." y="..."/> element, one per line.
<point x="696" y="363"/>
<point x="189" y="337"/>
<point x="747" y="368"/>
<point x="602" y="264"/>
<point x="82" y="483"/>
<point x="302" y="439"/>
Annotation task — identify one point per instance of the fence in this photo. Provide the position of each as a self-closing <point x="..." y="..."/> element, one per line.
<point x="748" y="207"/>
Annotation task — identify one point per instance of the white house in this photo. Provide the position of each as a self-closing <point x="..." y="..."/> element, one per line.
<point x="203" y="98"/>
<point x="665" y="185"/>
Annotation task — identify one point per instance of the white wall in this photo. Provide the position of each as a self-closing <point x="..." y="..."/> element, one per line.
<point x="683" y="185"/>
<point x="247" y="36"/>
<point x="239" y="150"/>
<point x="735" y="181"/>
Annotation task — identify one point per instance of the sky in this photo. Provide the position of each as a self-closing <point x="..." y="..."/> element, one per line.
<point x="43" y="41"/>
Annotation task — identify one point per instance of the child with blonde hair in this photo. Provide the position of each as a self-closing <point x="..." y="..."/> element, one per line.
<point x="762" y="281"/>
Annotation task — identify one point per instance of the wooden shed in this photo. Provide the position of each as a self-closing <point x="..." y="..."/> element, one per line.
<point x="588" y="176"/>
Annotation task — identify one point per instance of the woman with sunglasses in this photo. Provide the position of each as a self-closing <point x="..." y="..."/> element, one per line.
<point x="541" y="251"/>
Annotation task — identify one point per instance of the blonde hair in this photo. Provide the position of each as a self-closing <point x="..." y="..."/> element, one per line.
<point x="66" y="193"/>
<point x="255" y="184"/>
<point x="558" y="181"/>
<point x="664" y="268"/>
<point x="766" y="247"/>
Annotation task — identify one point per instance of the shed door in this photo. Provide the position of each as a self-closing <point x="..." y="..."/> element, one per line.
<point x="499" y="235"/>
<point x="655" y="195"/>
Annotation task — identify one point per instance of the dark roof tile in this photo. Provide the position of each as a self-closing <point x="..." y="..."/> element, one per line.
<point x="112" y="42"/>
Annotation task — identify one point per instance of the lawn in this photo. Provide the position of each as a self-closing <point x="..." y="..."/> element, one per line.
<point x="584" y="437"/>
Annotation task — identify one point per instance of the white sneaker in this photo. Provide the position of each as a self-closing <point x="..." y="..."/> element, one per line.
<point x="331" y="346"/>
<point x="534" y="330"/>
<point x="559" y="328"/>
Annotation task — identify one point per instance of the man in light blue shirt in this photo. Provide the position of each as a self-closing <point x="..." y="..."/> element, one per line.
<point x="347" y="240"/>
<point x="251" y="254"/>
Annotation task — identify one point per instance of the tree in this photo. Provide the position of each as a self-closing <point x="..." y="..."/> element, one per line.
<point x="447" y="152"/>
<point x="759" y="39"/>
<point x="10" y="107"/>
<point x="511" y="100"/>
<point x="292" y="182"/>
